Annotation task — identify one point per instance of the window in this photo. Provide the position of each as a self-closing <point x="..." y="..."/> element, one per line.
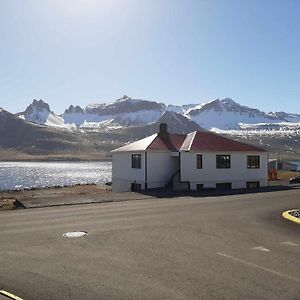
<point x="223" y="161"/>
<point x="199" y="187"/>
<point x="199" y="161"/>
<point x="136" y="187"/>
<point x="252" y="184"/>
<point x="223" y="186"/>
<point x="253" y="162"/>
<point x="136" y="161"/>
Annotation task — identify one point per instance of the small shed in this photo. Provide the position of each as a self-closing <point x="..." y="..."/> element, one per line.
<point x="275" y="164"/>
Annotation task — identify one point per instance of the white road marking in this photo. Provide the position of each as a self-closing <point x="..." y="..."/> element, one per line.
<point x="288" y="243"/>
<point x="261" y="248"/>
<point x="250" y="264"/>
<point x="9" y="295"/>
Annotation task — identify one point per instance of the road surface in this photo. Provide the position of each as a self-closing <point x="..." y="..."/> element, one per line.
<point x="227" y="247"/>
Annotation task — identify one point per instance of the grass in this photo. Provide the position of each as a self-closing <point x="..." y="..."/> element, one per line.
<point x="285" y="175"/>
<point x="7" y="203"/>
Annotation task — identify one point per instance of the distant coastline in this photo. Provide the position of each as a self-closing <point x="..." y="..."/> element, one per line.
<point x="15" y="156"/>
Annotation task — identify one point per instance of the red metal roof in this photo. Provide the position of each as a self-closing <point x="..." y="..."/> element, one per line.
<point x="173" y="143"/>
<point x="208" y="141"/>
<point x="194" y="141"/>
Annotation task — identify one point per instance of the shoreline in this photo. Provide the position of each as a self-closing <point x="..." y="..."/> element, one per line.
<point x="48" y="196"/>
<point x="55" y="160"/>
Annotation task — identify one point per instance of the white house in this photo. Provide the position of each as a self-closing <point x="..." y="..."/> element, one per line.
<point x="195" y="161"/>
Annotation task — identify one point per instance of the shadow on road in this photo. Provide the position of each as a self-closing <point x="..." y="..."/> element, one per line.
<point x="166" y="193"/>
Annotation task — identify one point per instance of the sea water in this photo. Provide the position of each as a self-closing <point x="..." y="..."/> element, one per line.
<point x="20" y="175"/>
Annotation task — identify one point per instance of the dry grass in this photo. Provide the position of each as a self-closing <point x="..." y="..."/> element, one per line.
<point x="7" y="203"/>
<point x="284" y="175"/>
<point x="77" y="190"/>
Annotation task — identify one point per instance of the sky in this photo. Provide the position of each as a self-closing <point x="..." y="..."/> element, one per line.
<point x="173" y="51"/>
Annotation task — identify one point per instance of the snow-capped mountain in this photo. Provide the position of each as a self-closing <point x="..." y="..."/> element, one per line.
<point x="28" y="138"/>
<point x="289" y="117"/>
<point x="177" y="123"/>
<point x="39" y="112"/>
<point x="124" y="111"/>
<point x="224" y="114"/>
<point x="227" y="114"/>
<point x="180" y="109"/>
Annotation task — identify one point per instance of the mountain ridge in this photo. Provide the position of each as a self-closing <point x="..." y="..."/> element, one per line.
<point x="127" y="111"/>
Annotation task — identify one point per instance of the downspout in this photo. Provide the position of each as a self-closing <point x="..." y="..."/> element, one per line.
<point x="179" y="166"/>
<point x="146" y="171"/>
<point x="268" y="168"/>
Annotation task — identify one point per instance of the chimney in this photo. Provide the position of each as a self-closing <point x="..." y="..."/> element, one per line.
<point x="163" y="131"/>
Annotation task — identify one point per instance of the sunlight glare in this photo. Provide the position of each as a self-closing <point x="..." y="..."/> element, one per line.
<point x="79" y="8"/>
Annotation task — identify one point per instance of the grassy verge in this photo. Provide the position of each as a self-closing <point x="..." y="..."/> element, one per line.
<point x="7" y="203"/>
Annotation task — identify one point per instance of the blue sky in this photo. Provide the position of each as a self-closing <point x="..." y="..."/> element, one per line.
<point x="86" y="51"/>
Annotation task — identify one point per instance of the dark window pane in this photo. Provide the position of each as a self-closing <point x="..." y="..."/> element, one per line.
<point x="199" y="161"/>
<point x="136" y="187"/>
<point x="136" y="161"/>
<point x="253" y="162"/>
<point x="199" y="187"/>
<point x="223" y="161"/>
<point x="252" y="184"/>
<point x="223" y="186"/>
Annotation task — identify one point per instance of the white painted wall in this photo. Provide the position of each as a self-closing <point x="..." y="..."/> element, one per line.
<point x="122" y="172"/>
<point x="161" y="166"/>
<point x="209" y="175"/>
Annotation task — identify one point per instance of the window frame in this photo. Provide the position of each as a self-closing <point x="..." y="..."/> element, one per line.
<point x="250" y="164"/>
<point x="197" y="161"/>
<point x="136" y="161"/>
<point x="227" y="164"/>
<point x="223" y="186"/>
<point x="252" y="184"/>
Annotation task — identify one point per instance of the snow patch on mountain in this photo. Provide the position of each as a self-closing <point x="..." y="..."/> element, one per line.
<point x="289" y="117"/>
<point x="124" y="111"/>
<point x="180" y="109"/>
<point x="227" y="114"/>
<point x="39" y="112"/>
<point x="283" y="129"/>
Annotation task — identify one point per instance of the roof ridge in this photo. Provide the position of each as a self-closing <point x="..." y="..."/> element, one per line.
<point x="156" y="136"/>
<point x="192" y="140"/>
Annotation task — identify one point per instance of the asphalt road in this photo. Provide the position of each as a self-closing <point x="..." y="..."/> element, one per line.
<point x="228" y="247"/>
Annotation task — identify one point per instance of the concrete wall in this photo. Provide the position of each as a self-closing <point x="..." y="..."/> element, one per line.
<point x="209" y="175"/>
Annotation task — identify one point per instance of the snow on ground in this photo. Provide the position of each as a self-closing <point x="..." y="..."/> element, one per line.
<point x="283" y="129"/>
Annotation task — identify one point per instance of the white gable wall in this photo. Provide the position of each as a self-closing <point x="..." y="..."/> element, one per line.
<point x="122" y="172"/>
<point x="160" y="167"/>
<point x="238" y="173"/>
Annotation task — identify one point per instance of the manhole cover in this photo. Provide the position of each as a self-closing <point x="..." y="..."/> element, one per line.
<point x="75" y="234"/>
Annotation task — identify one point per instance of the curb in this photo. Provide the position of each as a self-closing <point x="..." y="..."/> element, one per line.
<point x="286" y="215"/>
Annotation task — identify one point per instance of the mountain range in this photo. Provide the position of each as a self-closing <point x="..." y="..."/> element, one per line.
<point x="98" y="128"/>
<point x="223" y="114"/>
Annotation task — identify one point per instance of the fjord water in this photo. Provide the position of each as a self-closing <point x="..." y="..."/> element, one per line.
<point x="20" y="175"/>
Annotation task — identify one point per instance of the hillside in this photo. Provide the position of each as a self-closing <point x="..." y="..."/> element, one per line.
<point x="20" y="137"/>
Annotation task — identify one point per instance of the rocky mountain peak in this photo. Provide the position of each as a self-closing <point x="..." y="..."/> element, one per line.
<point x="124" y="98"/>
<point x="37" y="106"/>
<point x="74" y="110"/>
